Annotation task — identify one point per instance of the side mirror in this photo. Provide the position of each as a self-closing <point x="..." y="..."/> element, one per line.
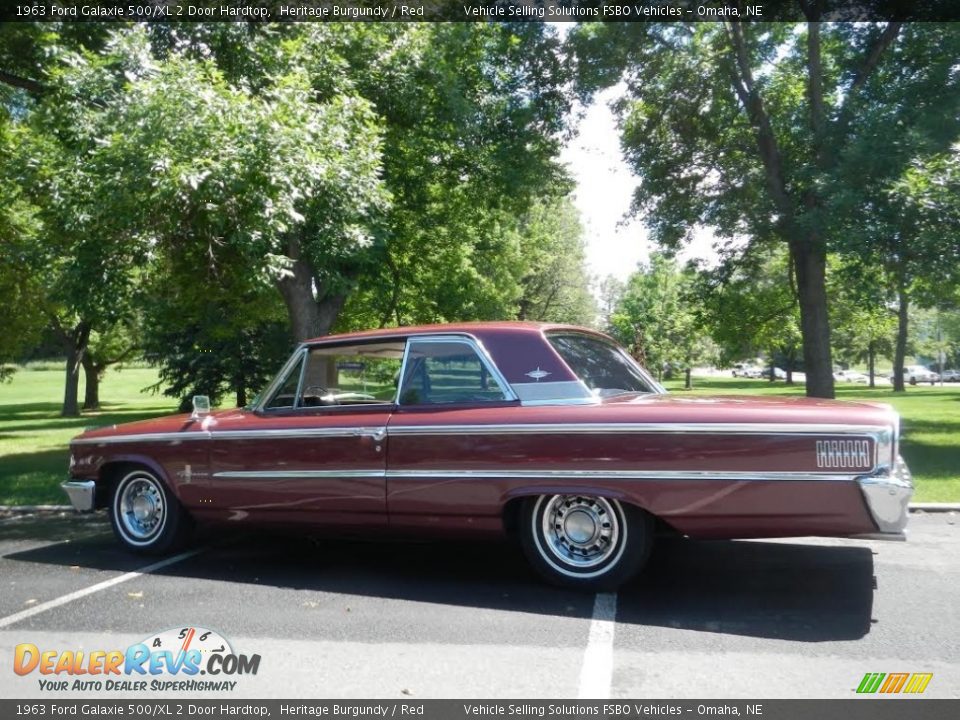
<point x="201" y="407"/>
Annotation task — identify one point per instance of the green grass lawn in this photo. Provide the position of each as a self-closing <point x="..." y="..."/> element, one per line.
<point x="930" y="425"/>
<point x="33" y="436"/>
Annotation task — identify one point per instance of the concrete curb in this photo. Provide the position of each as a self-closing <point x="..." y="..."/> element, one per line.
<point x="934" y="507"/>
<point x="14" y="509"/>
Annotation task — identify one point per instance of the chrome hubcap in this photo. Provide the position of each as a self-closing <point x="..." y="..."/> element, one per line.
<point x="580" y="531"/>
<point x="141" y="508"/>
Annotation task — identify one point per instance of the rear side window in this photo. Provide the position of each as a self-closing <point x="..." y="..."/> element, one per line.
<point x="602" y="366"/>
<point x="442" y="371"/>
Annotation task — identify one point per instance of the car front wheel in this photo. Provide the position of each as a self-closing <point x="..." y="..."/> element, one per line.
<point x="146" y="516"/>
<point x="585" y="542"/>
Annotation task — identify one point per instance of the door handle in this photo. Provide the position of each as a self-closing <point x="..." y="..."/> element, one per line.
<point x="377" y="434"/>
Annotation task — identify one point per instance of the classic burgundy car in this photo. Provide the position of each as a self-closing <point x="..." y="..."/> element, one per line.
<point x="550" y="432"/>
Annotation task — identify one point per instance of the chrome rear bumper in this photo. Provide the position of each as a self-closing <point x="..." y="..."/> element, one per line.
<point x="888" y="497"/>
<point x="81" y="494"/>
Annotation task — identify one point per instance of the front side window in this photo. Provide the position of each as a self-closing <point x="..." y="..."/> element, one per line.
<point x="446" y="372"/>
<point x="602" y="366"/>
<point x="364" y="374"/>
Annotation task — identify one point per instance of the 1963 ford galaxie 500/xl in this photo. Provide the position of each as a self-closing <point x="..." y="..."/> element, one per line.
<point x="550" y="432"/>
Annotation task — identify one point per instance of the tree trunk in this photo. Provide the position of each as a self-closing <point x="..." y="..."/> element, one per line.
<point x="241" y="396"/>
<point x="900" y="352"/>
<point x="689" y="380"/>
<point x="810" y="263"/>
<point x="91" y="375"/>
<point x="310" y="315"/>
<point x="871" y="362"/>
<point x="297" y="292"/>
<point x="76" y="345"/>
<point x="328" y="310"/>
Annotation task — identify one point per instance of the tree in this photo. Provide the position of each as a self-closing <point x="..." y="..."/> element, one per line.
<point x="555" y="285"/>
<point x="749" y="305"/>
<point x="470" y="116"/>
<point x="905" y="127"/>
<point x="654" y="318"/>
<point x="609" y="290"/>
<point x="862" y="314"/>
<point x="743" y="128"/>
<point x="20" y="293"/>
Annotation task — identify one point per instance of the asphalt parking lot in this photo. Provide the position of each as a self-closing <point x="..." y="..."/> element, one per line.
<point x="337" y="619"/>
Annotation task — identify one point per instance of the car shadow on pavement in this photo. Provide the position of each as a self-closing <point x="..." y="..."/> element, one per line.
<point x="786" y="590"/>
<point x="778" y="590"/>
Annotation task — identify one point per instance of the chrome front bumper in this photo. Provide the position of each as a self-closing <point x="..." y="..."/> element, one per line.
<point x="888" y="497"/>
<point x="81" y="494"/>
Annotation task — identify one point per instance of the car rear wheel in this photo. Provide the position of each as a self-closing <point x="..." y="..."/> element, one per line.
<point x="585" y="542"/>
<point x="146" y="516"/>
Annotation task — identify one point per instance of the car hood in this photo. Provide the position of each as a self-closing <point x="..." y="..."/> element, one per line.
<point x="167" y="424"/>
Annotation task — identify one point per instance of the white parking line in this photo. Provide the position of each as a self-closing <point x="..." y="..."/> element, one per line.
<point x="70" y="597"/>
<point x="597" y="671"/>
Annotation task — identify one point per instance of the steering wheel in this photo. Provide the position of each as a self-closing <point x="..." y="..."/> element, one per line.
<point x="319" y="391"/>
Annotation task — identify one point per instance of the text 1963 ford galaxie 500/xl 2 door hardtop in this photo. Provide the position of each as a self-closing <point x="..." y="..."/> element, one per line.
<point x="548" y="431"/>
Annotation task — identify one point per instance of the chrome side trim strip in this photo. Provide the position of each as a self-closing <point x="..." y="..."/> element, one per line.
<point x="513" y="429"/>
<point x="377" y="433"/>
<point x="541" y="475"/>
<point x="621" y="475"/>
<point x="639" y="428"/>
<point x="285" y="474"/>
<point x="143" y="437"/>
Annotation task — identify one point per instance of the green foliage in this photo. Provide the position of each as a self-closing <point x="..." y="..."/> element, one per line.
<point x="20" y="293"/>
<point x="749" y="307"/>
<point x="555" y="287"/>
<point x="653" y="317"/>
<point x="780" y="132"/>
<point x="394" y="165"/>
<point x="472" y="117"/>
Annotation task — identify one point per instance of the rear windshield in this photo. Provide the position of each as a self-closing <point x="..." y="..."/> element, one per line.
<point x="602" y="366"/>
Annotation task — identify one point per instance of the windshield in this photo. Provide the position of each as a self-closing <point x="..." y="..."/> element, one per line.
<point x="602" y="366"/>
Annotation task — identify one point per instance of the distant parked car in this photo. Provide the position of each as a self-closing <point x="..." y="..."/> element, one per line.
<point x="746" y="370"/>
<point x="950" y="375"/>
<point x="851" y="376"/>
<point x="914" y="374"/>
<point x="778" y="373"/>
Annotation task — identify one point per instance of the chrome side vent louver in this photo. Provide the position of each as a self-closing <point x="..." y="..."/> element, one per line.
<point x="844" y="454"/>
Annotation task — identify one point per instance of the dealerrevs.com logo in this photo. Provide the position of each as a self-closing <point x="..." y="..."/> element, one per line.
<point x="187" y="659"/>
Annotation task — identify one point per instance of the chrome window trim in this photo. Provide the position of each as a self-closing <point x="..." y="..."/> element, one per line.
<point x="274" y="386"/>
<point x="403" y="371"/>
<point x="459" y="338"/>
<point x="303" y="372"/>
